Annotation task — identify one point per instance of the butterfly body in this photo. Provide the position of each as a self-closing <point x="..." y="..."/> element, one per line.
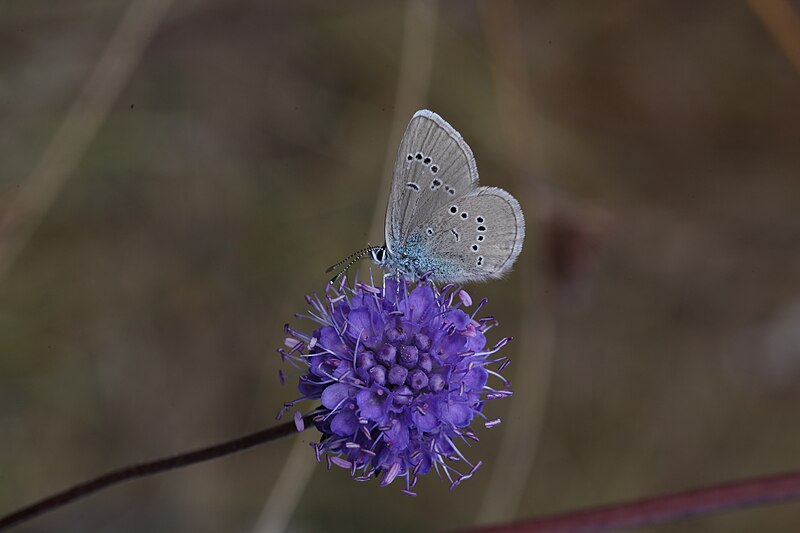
<point x="413" y="258"/>
<point x="439" y="220"/>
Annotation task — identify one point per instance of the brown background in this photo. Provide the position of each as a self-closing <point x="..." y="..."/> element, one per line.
<point x="654" y="146"/>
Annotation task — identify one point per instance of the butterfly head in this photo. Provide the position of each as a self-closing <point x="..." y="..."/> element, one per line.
<point x="378" y="254"/>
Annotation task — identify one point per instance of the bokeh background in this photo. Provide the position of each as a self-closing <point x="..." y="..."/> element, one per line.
<point x="176" y="175"/>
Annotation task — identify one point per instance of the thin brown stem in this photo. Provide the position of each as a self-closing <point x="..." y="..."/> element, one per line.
<point x="704" y="501"/>
<point x="128" y="473"/>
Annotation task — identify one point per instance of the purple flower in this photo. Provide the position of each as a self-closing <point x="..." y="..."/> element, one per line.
<point x="401" y="372"/>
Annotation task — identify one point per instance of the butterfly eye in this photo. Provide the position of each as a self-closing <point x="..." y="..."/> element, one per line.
<point x="378" y="254"/>
<point x="434" y="169"/>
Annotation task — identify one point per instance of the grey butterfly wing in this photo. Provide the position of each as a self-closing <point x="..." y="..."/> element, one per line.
<point x="434" y="165"/>
<point x="474" y="237"/>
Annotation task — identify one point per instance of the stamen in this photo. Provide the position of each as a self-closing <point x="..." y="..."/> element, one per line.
<point x="480" y="305"/>
<point x="502" y="342"/>
<point x="471" y="436"/>
<point x="391" y="475"/>
<point x="297" y="347"/>
<point x="368" y="288"/>
<point x="291" y="343"/>
<point x="475" y="468"/>
<point x="342" y="463"/>
<point x="464" y="297"/>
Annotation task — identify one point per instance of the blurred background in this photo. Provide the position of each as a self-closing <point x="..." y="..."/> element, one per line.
<point x="176" y="175"/>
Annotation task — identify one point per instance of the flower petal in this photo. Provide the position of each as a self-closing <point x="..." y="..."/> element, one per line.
<point x="459" y="318"/>
<point x="335" y="394"/>
<point x="422" y="463"/>
<point x="359" y="323"/>
<point x="456" y="413"/>
<point x="345" y="423"/>
<point x="330" y="340"/>
<point x="309" y="389"/>
<point x="476" y="342"/>
<point x="427" y="421"/>
<point x="450" y="346"/>
<point x="371" y="405"/>
<point x="418" y="303"/>
<point x="397" y="436"/>
<point x="476" y="378"/>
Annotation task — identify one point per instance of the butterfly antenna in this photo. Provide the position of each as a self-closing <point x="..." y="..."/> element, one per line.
<point x="353" y="258"/>
<point x="348" y="258"/>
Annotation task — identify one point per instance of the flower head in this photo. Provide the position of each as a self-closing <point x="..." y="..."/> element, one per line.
<point x="401" y="371"/>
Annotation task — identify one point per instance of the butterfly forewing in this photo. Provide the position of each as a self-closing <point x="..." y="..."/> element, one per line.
<point x="434" y="165"/>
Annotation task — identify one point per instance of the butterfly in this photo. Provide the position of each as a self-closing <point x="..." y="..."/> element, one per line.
<point x="439" y="222"/>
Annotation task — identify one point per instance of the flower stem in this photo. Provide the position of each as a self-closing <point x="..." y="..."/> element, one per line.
<point x="661" y="509"/>
<point x="127" y="473"/>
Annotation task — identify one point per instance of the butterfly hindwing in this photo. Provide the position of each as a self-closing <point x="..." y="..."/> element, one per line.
<point x="478" y="236"/>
